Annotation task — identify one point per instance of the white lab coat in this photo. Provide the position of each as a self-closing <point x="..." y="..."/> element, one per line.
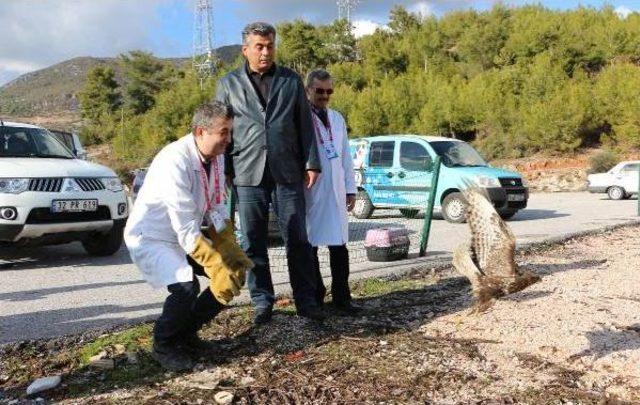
<point x="326" y="202"/>
<point x="167" y="216"/>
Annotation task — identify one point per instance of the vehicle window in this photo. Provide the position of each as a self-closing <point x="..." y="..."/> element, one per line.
<point x="381" y="154"/>
<point x="65" y="138"/>
<point x="414" y="157"/>
<point x="30" y="142"/>
<point x="633" y="167"/>
<point x="457" y="154"/>
<point x="16" y="143"/>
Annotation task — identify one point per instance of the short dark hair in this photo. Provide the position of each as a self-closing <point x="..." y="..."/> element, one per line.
<point x="317" y="74"/>
<point x="258" y="28"/>
<point x="209" y="112"/>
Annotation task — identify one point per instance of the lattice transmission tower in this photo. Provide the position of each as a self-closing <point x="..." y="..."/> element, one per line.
<point x="205" y="60"/>
<point x="345" y="8"/>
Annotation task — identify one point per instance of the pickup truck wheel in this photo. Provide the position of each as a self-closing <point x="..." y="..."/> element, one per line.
<point x="363" y="207"/>
<point x="409" y="213"/>
<point x="454" y="208"/>
<point x="507" y="214"/>
<point x="616" y="193"/>
<point x="104" y="244"/>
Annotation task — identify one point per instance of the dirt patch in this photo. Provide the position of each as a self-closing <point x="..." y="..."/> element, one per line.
<point x="63" y="122"/>
<point x="572" y="338"/>
<point x="550" y="174"/>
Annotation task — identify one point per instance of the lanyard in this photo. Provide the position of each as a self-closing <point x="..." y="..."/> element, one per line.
<point x="216" y="183"/>
<point x="315" y="124"/>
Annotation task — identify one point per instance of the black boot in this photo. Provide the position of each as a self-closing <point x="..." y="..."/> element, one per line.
<point x="315" y="313"/>
<point x="205" y="308"/>
<point x="172" y="357"/>
<point x="347" y="309"/>
<point x="262" y="315"/>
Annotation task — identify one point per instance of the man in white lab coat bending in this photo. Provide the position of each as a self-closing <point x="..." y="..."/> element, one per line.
<point x="184" y="189"/>
<point x="334" y="193"/>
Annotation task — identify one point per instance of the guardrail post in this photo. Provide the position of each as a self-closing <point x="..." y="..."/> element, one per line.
<point x="428" y="215"/>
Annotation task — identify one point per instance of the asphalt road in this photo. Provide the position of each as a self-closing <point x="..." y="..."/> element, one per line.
<point x="58" y="290"/>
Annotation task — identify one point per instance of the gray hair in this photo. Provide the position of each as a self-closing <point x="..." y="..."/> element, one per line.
<point x="317" y="74"/>
<point x="207" y="113"/>
<point x="262" y="29"/>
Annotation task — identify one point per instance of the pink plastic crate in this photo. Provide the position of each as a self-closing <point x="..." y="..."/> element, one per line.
<point x="387" y="244"/>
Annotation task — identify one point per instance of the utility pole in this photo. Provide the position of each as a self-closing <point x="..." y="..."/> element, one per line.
<point x="204" y="57"/>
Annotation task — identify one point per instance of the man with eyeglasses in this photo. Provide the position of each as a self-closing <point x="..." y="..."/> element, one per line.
<point x="333" y="195"/>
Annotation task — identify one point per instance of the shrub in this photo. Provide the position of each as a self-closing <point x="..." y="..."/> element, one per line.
<point x="603" y="161"/>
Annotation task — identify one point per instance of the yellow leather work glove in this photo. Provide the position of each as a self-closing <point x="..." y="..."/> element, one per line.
<point x="225" y="243"/>
<point x="223" y="281"/>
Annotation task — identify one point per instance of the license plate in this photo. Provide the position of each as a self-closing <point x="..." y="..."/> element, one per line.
<point x="515" y="197"/>
<point x="74" y="205"/>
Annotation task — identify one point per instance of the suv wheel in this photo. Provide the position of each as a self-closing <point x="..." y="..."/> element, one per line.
<point x="104" y="244"/>
<point x="616" y="193"/>
<point x="454" y="208"/>
<point x="409" y="213"/>
<point x="363" y="207"/>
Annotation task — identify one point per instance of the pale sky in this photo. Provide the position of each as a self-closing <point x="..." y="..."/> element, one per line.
<point x="35" y="34"/>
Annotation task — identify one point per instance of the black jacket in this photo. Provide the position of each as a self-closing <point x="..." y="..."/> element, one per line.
<point x="282" y="134"/>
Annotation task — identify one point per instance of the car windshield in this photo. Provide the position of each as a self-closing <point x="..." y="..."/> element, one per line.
<point x="457" y="154"/>
<point x="31" y="142"/>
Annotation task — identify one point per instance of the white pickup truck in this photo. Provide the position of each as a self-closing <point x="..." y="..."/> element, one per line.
<point x="49" y="196"/>
<point x="619" y="182"/>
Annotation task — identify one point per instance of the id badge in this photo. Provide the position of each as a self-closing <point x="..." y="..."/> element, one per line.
<point x="331" y="151"/>
<point x="216" y="220"/>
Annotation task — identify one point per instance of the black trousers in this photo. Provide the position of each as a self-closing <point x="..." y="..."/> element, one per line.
<point x="185" y="310"/>
<point x="339" y="263"/>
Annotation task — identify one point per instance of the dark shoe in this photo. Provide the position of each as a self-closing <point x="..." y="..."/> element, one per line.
<point x="315" y="313"/>
<point x="262" y="315"/>
<point x="348" y="309"/>
<point x="171" y="357"/>
<point x="195" y="343"/>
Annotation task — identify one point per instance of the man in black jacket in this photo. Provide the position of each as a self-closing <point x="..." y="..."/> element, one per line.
<point x="273" y="156"/>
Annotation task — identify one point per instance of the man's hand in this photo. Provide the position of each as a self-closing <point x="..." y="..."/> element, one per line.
<point x="351" y="202"/>
<point x="310" y="178"/>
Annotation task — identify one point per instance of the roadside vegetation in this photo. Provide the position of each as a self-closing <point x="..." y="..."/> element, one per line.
<point x="515" y="81"/>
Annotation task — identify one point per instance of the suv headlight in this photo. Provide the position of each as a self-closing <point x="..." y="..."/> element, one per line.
<point x="13" y="186"/>
<point x="112" y="183"/>
<point x="486" y="181"/>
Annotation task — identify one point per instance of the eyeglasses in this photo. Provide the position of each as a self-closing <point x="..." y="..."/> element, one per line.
<point x="324" y="91"/>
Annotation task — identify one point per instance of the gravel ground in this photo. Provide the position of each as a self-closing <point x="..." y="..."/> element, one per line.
<point x="573" y="338"/>
<point x="584" y="317"/>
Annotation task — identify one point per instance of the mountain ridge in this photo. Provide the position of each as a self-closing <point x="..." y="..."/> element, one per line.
<point x="53" y="90"/>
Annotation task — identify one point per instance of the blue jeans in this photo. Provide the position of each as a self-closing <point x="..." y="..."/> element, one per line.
<point x="288" y="204"/>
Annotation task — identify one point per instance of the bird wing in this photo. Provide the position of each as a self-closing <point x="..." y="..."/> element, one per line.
<point x="492" y="240"/>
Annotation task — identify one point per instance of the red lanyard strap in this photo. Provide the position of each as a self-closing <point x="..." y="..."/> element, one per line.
<point x="216" y="183"/>
<point x="315" y="124"/>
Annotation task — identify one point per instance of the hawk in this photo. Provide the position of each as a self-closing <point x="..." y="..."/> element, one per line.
<point x="487" y="259"/>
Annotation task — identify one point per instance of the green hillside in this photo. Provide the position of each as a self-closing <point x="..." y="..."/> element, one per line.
<point x="53" y="90"/>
